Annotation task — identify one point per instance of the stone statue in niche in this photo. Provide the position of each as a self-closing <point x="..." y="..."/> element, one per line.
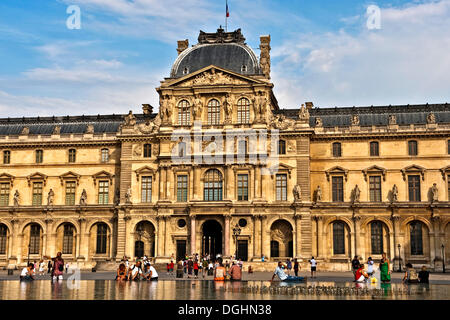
<point x="16" y="198"/>
<point x="392" y="119"/>
<point x="198" y="107"/>
<point x="57" y="130"/>
<point x="394" y="194"/>
<point x="318" y="194"/>
<point x="25" y="130"/>
<point x="130" y="119"/>
<point x="434" y="193"/>
<point x="90" y="128"/>
<point x="297" y="193"/>
<point x="83" y="198"/>
<point x="50" y="197"/>
<point x="228" y="104"/>
<point x="128" y="195"/>
<point x="356" y="194"/>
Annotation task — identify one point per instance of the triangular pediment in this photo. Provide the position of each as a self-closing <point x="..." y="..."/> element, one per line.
<point x="211" y="76"/>
<point x="103" y="175"/>
<point x="37" y="176"/>
<point x="413" y="169"/>
<point x="5" y="177"/>
<point x="374" y="169"/>
<point x="336" y="170"/>
<point x="146" y="170"/>
<point x="69" y="175"/>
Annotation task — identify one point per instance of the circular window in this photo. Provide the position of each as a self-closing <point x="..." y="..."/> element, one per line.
<point x="181" y="223"/>
<point x="242" y="223"/>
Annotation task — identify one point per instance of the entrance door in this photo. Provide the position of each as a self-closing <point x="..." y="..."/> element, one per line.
<point x="181" y="249"/>
<point x="212" y="238"/>
<point x="274" y="249"/>
<point x="242" y="252"/>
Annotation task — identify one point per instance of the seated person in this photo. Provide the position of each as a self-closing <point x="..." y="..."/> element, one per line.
<point x="121" y="272"/>
<point x="410" y="274"/>
<point x="424" y="275"/>
<point x="135" y="272"/>
<point x="279" y="271"/>
<point x="360" y="274"/>
<point x="235" y="272"/>
<point x="219" y="272"/>
<point x="151" y="273"/>
<point x="27" y="272"/>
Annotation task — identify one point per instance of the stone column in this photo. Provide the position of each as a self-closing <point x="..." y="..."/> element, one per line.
<point x="193" y="233"/>
<point x="396" y="225"/>
<point x="356" y="226"/>
<point x="121" y="234"/>
<point x="229" y="188"/>
<point x="263" y="236"/>
<point x="319" y="236"/>
<point x="436" y="219"/>
<point x="196" y="183"/>
<point x="164" y="183"/>
<point x="257" y="182"/>
<point x="227" y="235"/>
<point x="298" y="228"/>
<point x="256" y="239"/>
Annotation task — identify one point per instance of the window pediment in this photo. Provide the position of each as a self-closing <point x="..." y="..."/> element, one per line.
<point x="336" y="170"/>
<point x="69" y="176"/>
<point x="444" y="171"/>
<point x="146" y="170"/>
<point x="282" y="168"/>
<point x="374" y="169"/>
<point x="4" y="177"/>
<point x="413" y="169"/>
<point x="103" y="175"/>
<point x="37" y="177"/>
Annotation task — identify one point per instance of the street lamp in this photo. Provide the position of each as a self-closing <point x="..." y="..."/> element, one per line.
<point x="236" y="233"/>
<point x="399" y="259"/>
<point x="443" y="258"/>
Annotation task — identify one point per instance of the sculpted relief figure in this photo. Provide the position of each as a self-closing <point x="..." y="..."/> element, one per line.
<point x="130" y="119"/>
<point x="356" y="194"/>
<point x="128" y="195"/>
<point x="392" y="119"/>
<point x="297" y="193"/>
<point x="57" y="130"/>
<point x="16" y="198"/>
<point x="303" y="115"/>
<point x="281" y="122"/>
<point x="83" y="198"/>
<point x="434" y="193"/>
<point x="394" y="194"/>
<point x="228" y="105"/>
<point x="25" y="130"/>
<point x="431" y="118"/>
<point x="355" y="120"/>
<point x="318" y="194"/>
<point x="137" y="151"/>
<point x="198" y="107"/>
<point x="90" y="128"/>
<point x="319" y="122"/>
<point x="50" y="197"/>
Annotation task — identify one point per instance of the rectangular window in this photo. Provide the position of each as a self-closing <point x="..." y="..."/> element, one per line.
<point x="105" y="155"/>
<point x="6" y="157"/>
<point x="242" y="187"/>
<point x="70" y="193"/>
<point x="374" y="149"/>
<point x="146" y="189"/>
<point x="375" y="188"/>
<point x="448" y="147"/>
<point x="4" y="194"/>
<point x="37" y="193"/>
<point x="182" y="188"/>
<point x="414" y="188"/>
<point x="147" y="150"/>
<point x="412" y="148"/>
<point x="39" y="156"/>
<point x="337" y="149"/>
<point x="72" y="155"/>
<point x="103" y="192"/>
<point x="242" y="147"/>
<point x="281" y="186"/>
<point x="338" y="189"/>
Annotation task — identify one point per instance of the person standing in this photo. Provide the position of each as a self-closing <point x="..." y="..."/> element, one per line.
<point x="190" y="266"/>
<point x="355" y="265"/>
<point x="313" y="263"/>
<point x="288" y="266"/>
<point x="195" y="269"/>
<point x="58" y="267"/>
<point x="41" y="267"/>
<point x="49" y="266"/>
<point x="424" y="275"/>
<point x="385" y="269"/>
<point x="204" y="267"/>
<point x="296" y="267"/>
<point x="370" y="266"/>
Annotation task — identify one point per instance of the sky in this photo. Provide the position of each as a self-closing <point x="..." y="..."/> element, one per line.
<point x="327" y="52"/>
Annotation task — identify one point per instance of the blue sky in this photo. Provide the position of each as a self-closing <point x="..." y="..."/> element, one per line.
<point x="322" y="51"/>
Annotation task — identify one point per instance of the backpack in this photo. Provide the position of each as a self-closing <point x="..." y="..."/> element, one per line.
<point x="412" y="274"/>
<point x="61" y="266"/>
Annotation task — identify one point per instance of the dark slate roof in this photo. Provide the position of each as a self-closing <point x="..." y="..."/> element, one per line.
<point x="230" y="56"/>
<point x="68" y="124"/>
<point x="375" y="115"/>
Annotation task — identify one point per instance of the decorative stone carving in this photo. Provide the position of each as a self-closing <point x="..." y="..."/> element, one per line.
<point x="303" y="115"/>
<point x="297" y="193"/>
<point x="394" y="197"/>
<point x="25" y="131"/>
<point x="291" y="146"/>
<point x="166" y="107"/>
<point x="50" y="197"/>
<point x="228" y="104"/>
<point x="137" y="150"/>
<point x="282" y="123"/>
<point x="150" y="126"/>
<point x="57" y="130"/>
<point x="355" y="120"/>
<point x="90" y="128"/>
<point x="128" y="196"/>
<point x="431" y="118"/>
<point x="212" y="78"/>
<point x="392" y="119"/>
<point x="434" y="193"/>
<point x="319" y="122"/>
<point x="130" y="119"/>
<point x="16" y="198"/>
<point x="264" y="58"/>
<point x="318" y="194"/>
<point x="260" y="104"/>
<point x="155" y="149"/>
<point x="83" y="198"/>
<point x="356" y="194"/>
<point x="198" y="107"/>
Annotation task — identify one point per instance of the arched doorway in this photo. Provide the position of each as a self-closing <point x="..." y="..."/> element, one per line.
<point x="281" y="244"/>
<point x="211" y="238"/>
<point x="144" y="240"/>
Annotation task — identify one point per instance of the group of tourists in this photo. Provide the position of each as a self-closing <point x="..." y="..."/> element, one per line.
<point x="141" y="270"/>
<point x="55" y="267"/>
<point x="191" y="266"/>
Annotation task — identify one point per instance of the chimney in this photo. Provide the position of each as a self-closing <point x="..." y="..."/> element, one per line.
<point x="264" y="58"/>
<point x="182" y="45"/>
<point x="309" y="105"/>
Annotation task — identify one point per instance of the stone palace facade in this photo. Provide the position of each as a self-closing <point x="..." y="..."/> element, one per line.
<point x="222" y="169"/>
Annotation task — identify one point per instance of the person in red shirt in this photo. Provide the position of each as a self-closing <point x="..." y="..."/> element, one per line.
<point x="195" y="269"/>
<point x="171" y="265"/>
<point x="360" y="274"/>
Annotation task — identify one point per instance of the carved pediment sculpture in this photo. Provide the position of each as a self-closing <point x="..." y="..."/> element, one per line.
<point x="150" y="126"/>
<point x="212" y="78"/>
<point x="282" y="123"/>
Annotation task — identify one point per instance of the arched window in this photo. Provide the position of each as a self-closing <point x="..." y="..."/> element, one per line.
<point x="147" y="150"/>
<point x="338" y="238"/>
<point x="184" y="113"/>
<point x="281" y="147"/>
<point x="337" y="149"/>
<point x="3" y="238"/>
<point x="213" y="185"/>
<point x="243" y="110"/>
<point x="415" y="230"/>
<point x="213" y="112"/>
<point x="274" y="249"/>
<point x="35" y="239"/>
<point x="374" y="149"/>
<point x="72" y="155"/>
<point x="68" y="239"/>
<point x="102" y="237"/>
<point x="105" y="155"/>
<point x="376" y="235"/>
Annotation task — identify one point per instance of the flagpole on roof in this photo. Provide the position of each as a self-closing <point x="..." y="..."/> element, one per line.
<point x="226" y="15"/>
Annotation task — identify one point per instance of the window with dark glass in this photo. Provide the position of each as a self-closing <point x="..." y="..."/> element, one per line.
<point x="102" y="237"/>
<point x="4" y="194"/>
<point x="3" y="238"/>
<point x="448" y="147"/>
<point x="415" y="229"/>
<point x="338" y="238"/>
<point x="70" y="193"/>
<point x="376" y="236"/>
<point x="337" y="149"/>
<point x="39" y="156"/>
<point x="6" y="157"/>
<point x="147" y="150"/>
<point x="337" y="186"/>
<point x="35" y="239"/>
<point x="281" y="187"/>
<point x="72" y="155"/>
<point x="184" y="113"/>
<point x="374" y="149"/>
<point x="281" y="147"/>
<point x="243" y="111"/>
<point x="274" y="249"/>
<point x="213" y="185"/>
<point x="412" y="148"/>
<point x="68" y="239"/>
<point x="182" y="188"/>
<point x="103" y="192"/>
<point x="37" y="193"/>
<point x="242" y="185"/>
<point x="146" y="189"/>
<point x="414" y="188"/>
<point x="213" y="112"/>
<point x="105" y="155"/>
<point x="375" y="188"/>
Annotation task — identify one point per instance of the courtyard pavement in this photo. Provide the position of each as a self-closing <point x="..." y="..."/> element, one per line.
<point x="396" y="277"/>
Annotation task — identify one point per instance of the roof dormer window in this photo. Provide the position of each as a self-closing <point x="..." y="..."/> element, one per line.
<point x="244" y="68"/>
<point x="185" y="70"/>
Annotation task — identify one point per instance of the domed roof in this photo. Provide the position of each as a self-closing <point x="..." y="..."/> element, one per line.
<point x="223" y="49"/>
